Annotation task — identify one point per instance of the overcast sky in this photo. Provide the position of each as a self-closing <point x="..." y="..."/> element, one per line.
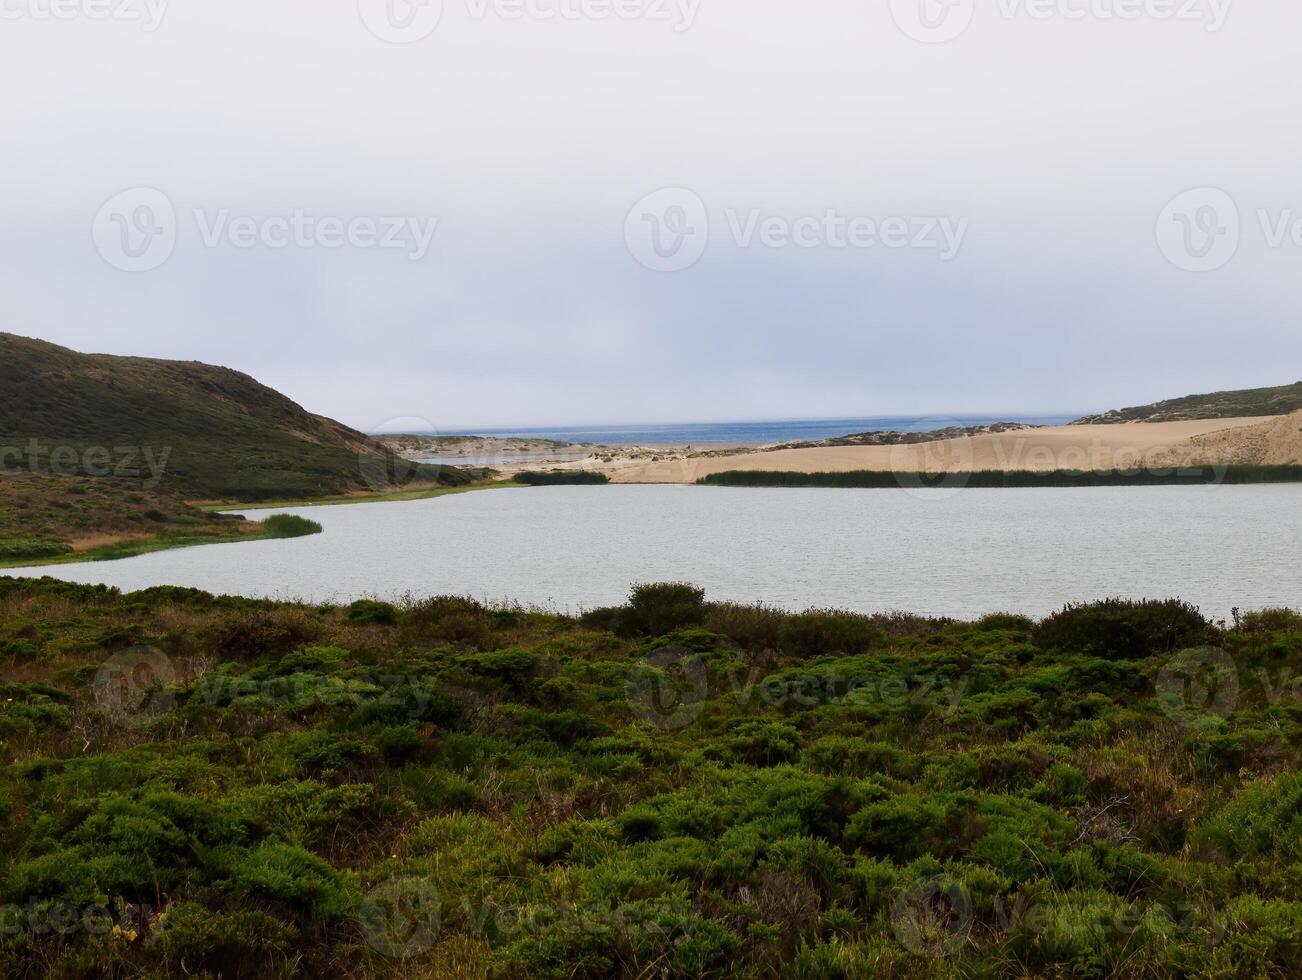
<point x="875" y="207"/>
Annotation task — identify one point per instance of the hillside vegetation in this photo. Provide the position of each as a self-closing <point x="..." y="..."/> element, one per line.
<point x="200" y="431"/>
<point x="221" y="787"/>
<point x="48" y="516"/>
<point x="1246" y="403"/>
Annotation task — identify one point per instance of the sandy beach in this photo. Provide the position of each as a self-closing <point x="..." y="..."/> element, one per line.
<point x="1124" y="446"/>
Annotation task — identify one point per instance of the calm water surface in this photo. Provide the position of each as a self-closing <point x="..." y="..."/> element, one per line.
<point x="1026" y="550"/>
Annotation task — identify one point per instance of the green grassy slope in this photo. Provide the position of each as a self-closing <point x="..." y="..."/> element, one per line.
<point x="1217" y="405"/>
<point x="46" y="516"/>
<point x="221" y="433"/>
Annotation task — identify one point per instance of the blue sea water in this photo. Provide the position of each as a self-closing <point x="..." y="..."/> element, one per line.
<point x="750" y="433"/>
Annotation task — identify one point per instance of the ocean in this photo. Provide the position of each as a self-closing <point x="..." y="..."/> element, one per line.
<point x="752" y="433"/>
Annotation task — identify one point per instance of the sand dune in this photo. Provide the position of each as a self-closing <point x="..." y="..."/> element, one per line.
<point x="1275" y="442"/>
<point x="1126" y="446"/>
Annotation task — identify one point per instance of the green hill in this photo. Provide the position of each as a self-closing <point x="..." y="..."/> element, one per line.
<point x="1217" y="405"/>
<point x="195" y="429"/>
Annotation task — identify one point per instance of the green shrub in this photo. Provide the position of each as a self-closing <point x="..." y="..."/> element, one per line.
<point x="820" y="632"/>
<point x="368" y="612"/>
<point x="760" y="743"/>
<point x="1269" y="621"/>
<point x="194" y="937"/>
<point x="558" y="478"/>
<point x="19" y="649"/>
<point x="292" y="876"/>
<point x="454" y="619"/>
<point x="662" y="608"/>
<point x="1262" y="821"/>
<point x="853" y="756"/>
<point x="1120" y="629"/>
<point x="1006" y="623"/>
<point x="509" y="667"/>
<point x="754" y="628"/>
<point x="290" y="526"/>
<point x="837" y="959"/>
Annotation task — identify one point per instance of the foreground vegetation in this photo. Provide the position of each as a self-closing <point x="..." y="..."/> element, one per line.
<point x="203" y="786"/>
<point x="873" y="479"/>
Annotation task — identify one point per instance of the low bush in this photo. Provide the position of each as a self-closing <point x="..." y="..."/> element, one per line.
<point x="821" y="632"/>
<point x="290" y="526"/>
<point x="366" y="612"/>
<point x="662" y="608"/>
<point x="1121" y="629"/>
<point x="559" y="478"/>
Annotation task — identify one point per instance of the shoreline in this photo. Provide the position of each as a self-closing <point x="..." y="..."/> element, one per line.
<point x="128" y="547"/>
<point x="359" y="498"/>
<point x="133" y="547"/>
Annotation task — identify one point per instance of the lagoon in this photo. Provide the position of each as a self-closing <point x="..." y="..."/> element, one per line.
<point x="963" y="555"/>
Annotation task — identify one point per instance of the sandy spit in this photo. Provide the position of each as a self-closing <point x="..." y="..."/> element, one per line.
<point x="1086" y="447"/>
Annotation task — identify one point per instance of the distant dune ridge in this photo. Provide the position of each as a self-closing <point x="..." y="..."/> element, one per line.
<point x="1081" y="447"/>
